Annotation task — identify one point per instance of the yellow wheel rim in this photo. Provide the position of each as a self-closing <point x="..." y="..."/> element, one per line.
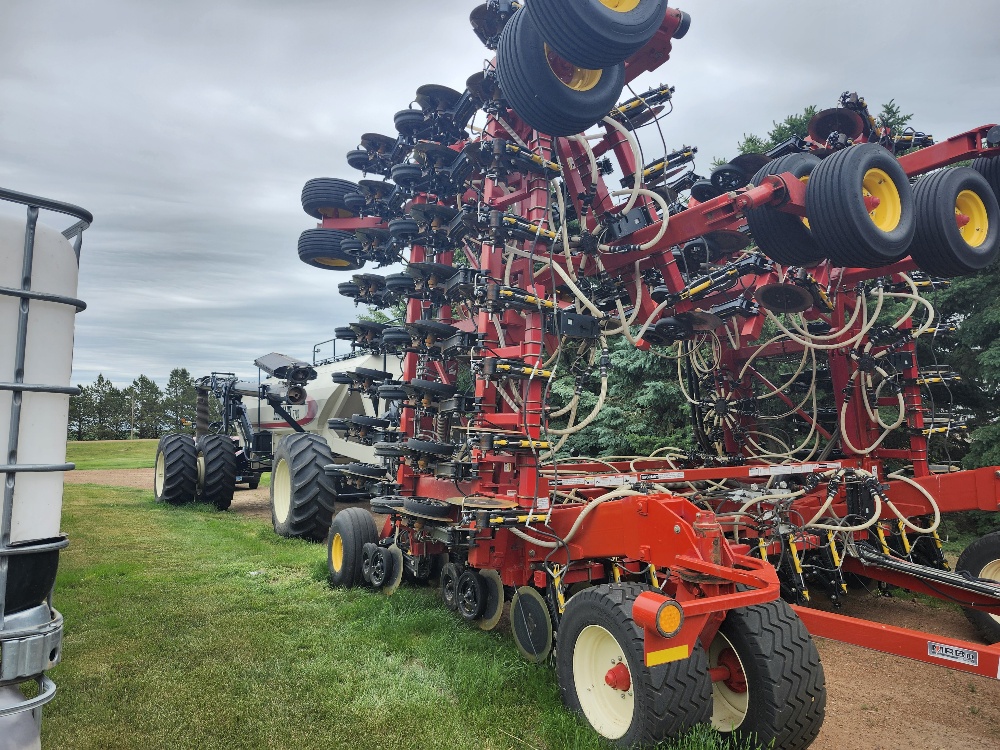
<point x="160" y="476"/>
<point x="333" y="262"/>
<point x="805" y="181"/>
<point x="970" y="205"/>
<point x="337" y="552"/>
<point x="887" y="214"/>
<point x="620" y="6"/>
<point x="571" y="76"/>
<point x="281" y="491"/>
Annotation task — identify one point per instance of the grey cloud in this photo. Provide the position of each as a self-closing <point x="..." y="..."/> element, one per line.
<point x="188" y="128"/>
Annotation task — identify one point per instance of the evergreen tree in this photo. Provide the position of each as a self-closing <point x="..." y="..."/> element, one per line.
<point x="179" y="401"/>
<point x="147" y="408"/>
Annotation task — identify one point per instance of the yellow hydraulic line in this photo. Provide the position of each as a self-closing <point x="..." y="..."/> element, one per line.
<point x="902" y="534"/>
<point x="835" y="555"/>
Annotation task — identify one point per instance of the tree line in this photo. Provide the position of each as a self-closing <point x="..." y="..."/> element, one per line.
<point x="142" y="410"/>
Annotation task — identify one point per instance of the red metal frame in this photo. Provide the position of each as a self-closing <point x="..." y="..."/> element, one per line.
<point x="661" y="534"/>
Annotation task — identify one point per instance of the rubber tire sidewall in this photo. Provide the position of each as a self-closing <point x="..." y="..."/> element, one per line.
<point x="938" y="246"/>
<point x="355" y="527"/>
<point x="677" y="695"/>
<point x="839" y="219"/>
<point x="785" y="679"/>
<point x="783" y="237"/>
<point x="535" y="93"/>
<point x="311" y="492"/>
<point x="592" y="35"/>
<point x="973" y="559"/>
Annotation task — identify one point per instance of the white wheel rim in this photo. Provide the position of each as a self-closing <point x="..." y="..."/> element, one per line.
<point x="281" y="491"/>
<point x="992" y="572"/>
<point x="159" y="477"/>
<point x="201" y="472"/>
<point x="608" y="710"/>
<point x="729" y="708"/>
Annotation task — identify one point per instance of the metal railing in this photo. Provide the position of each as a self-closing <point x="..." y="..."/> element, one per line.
<point x="28" y="647"/>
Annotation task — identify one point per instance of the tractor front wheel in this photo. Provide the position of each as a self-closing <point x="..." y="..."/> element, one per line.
<point x="603" y="676"/>
<point x="175" y="476"/>
<point x="768" y="685"/>
<point x="302" y="495"/>
<point x="981" y="559"/>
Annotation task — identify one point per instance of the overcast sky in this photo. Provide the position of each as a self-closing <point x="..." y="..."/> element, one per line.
<point x="188" y="129"/>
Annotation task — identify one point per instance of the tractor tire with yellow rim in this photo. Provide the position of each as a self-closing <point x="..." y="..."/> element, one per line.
<point x="320" y="248"/>
<point x="175" y="473"/>
<point x="351" y="530"/>
<point x="603" y="676"/>
<point x="860" y="207"/>
<point x="989" y="167"/>
<point x="597" y="33"/>
<point x="302" y="494"/>
<point x="958" y="223"/>
<point x="768" y="684"/>
<point x="548" y="92"/>
<point x="981" y="559"/>
<point x="325" y="198"/>
<point x="784" y="237"/>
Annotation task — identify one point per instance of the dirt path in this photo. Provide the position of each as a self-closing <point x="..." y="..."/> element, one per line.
<point x="875" y="701"/>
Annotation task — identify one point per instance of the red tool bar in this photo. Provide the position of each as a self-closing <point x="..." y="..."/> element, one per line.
<point x="912" y="644"/>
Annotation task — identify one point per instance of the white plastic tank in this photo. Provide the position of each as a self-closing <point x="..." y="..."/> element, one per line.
<point x="48" y="361"/>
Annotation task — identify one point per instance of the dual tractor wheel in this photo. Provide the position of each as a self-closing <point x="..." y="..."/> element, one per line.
<point x="760" y="682"/>
<point x="561" y="63"/>
<point x="187" y="470"/>
<point x="862" y="212"/>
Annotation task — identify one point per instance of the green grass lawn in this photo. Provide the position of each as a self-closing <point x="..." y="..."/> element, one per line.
<point x="187" y="628"/>
<point x="112" y="454"/>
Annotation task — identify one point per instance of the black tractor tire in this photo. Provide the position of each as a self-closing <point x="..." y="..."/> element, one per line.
<point x="175" y="476"/>
<point x="320" y="248"/>
<point x="323" y="198"/>
<point x="667" y="700"/>
<point x="981" y="559"/>
<point x="703" y="191"/>
<point x="780" y="699"/>
<point x="217" y="467"/>
<point x="406" y="175"/>
<point x="989" y="167"/>
<point x="591" y="34"/>
<point x="840" y="221"/>
<point x="302" y="495"/>
<point x="942" y="248"/>
<point x="539" y="96"/>
<point x="403" y="229"/>
<point x="351" y="530"/>
<point x="471" y="595"/>
<point x="348" y="289"/>
<point x="783" y="237"/>
<point x="253" y="483"/>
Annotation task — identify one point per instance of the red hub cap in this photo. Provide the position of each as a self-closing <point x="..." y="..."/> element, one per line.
<point x="618" y="678"/>
<point x="735" y="679"/>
